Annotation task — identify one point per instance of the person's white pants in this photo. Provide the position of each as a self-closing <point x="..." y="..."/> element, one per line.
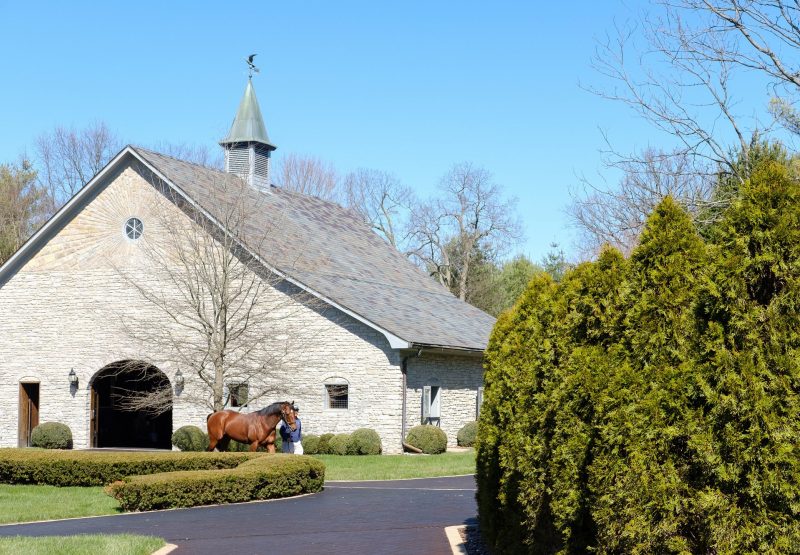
<point x="295" y="447"/>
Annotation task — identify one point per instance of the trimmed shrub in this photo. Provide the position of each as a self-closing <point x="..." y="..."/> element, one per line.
<point x="91" y="468"/>
<point x="364" y="441"/>
<point x="466" y="435"/>
<point x="324" y="444"/>
<point x="430" y="439"/>
<point x="311" y="444"/>
<point x="338" y="444"/>
<point x="190" y="438"/>
<point x="51" y="435"/>
<point x="264" y="477"/>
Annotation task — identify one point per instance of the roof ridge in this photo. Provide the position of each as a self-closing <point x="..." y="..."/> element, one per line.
<point x="170" y="156"/>
<point x="280" y="188"/>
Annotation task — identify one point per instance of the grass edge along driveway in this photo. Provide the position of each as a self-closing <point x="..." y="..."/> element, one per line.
<point x="28" y="503"/>
<point x="118" y="544"/>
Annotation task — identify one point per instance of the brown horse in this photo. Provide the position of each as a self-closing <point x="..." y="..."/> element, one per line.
<point x="256" y="428"/>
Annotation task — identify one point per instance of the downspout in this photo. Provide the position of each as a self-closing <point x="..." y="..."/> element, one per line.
<point x="404" y="371"/>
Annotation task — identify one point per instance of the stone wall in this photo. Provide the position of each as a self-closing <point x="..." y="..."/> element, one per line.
<point x="458" y="378"/>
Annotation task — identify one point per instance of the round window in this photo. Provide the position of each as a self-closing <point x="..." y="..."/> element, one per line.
<point x="134" y="228"/>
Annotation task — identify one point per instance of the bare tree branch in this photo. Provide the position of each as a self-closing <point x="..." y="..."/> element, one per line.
<point x="381" y="201"/>
<point x="67" y="158"/>
<point x="470" y="217"/>
<point x="616" y="216"/>
<point x="308" y="175"/>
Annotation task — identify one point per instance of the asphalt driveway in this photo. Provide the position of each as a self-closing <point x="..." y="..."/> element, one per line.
<point x="401" y="516"/>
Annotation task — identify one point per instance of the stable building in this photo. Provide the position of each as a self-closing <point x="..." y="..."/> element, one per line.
<point x="386" y="347"/>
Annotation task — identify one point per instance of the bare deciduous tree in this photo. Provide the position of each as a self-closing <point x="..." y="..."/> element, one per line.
<point x="218" y="314"/>
<point x="381" y="201"/>
<point x="308" y="175"/>
<point x="616" y="216"/>
<point x="196" y="154"/>
<point x="470" y="218"/>
<point x="676" y="68"/>
<point x="67" y="158"/>
<point x="680" y="66"/>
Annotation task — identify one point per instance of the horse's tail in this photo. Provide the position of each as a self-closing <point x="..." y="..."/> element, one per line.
<point x="209" y="416"/>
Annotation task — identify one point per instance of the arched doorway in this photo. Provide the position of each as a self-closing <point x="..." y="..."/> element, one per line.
<point x="119" y="415"/>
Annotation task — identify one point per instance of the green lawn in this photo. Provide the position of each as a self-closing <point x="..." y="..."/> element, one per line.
<point x="26" y="503"/>
<point x="119" y="544"/>
<point x="392" y="467"/>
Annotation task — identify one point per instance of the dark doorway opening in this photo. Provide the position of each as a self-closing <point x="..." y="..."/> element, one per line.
<point x="28" y="412"/>
<point x="113" y="421"/>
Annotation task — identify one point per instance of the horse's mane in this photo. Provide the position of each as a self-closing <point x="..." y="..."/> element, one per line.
<point x="274" y="408"/>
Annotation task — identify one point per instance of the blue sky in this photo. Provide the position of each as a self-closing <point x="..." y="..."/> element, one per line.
<point x="406" y="87"/>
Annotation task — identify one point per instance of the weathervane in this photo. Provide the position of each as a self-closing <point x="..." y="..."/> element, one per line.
<point x="251" y="66"/>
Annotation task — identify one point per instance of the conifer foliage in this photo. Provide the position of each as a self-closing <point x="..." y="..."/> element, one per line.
<point x="652" y="404"/>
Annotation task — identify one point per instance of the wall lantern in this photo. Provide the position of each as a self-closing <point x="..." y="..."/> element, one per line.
<point x="179" y="380"/>
<point x="73" y="378"/>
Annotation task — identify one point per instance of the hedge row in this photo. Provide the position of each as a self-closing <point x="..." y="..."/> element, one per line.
<point x="651" y="404"/>
<point x="89" y="468"/>
<point x="264" y="477"/>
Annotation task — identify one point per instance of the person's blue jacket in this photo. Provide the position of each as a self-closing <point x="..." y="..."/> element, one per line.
<point x="288" y="435"/>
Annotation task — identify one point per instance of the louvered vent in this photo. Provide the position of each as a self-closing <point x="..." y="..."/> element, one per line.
<point x="262" y="163"/>
<point x="238" y="160"/>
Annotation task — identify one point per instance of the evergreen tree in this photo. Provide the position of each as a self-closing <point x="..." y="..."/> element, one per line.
<point x="514" y="362"/>
<point x="638" y="476"/>
<point x="749" y="355"/>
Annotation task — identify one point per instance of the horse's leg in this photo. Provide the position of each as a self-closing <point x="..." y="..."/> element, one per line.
<point x="254" y="446"/>
<point x="270" y="442"/>
<point x="212" y="442"/>
<point x="223" y="443"/>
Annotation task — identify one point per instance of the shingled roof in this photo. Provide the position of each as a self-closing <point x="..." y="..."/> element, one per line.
<point x="332" y="252"/>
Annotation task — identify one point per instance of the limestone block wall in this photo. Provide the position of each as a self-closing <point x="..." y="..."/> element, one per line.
<point x="458" y="378"/>
<point x="68" y="307"/>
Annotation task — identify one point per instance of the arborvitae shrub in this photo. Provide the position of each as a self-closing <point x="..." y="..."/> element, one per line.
<point x="364" y="441"/>
<point x="640" y="460"/>
<point x="310" y="444"/>
<point x="338" y="444"/>
<point x="650" y="405"/>
<point x="190" y="438"/>
<point x="466" y="435"/>
<point x="325" y="444"/>
<point x="51" y="435"/>
<point x="511" y="356"/>
<point x="430" y="439"/>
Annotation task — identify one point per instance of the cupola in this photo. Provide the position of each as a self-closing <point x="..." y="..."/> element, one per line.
<point x="247" y="146"/>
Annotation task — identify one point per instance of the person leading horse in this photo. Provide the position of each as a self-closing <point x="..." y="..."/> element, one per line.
<point x="255" y="428"/>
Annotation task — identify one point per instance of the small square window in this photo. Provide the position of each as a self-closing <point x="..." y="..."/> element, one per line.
<point x="238" y="394"/>
<point x="337" y="395"/>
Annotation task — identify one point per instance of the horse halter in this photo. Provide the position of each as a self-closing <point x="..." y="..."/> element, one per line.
<point x="285" y="411"/>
